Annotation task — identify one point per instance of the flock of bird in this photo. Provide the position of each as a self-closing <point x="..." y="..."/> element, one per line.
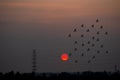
<point x="89" y="42"/>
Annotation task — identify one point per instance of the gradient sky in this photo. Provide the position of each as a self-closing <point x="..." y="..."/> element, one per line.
<point x="44" y="24"/>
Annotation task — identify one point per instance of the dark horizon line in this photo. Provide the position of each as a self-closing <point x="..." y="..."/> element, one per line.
<point x="12" y="71"/>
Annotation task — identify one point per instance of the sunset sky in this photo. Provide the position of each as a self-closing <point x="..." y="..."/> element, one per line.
<point x="44" y="25"/>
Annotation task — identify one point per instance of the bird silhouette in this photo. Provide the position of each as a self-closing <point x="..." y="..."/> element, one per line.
<point x="82" y="54"/>
<point x="98" y="32"/>
<point x="101" y="27"/>
<point x="97" y="21"/>
<point x="75" y="49"/>
<point x="89" y="61"/>
<point x="93" y="37"/>
<point x="88" y="49"/>
<point x="69" y="35"/>
<point x="97" y="39"/>
<point x="75" y="30"/>
<point x="107" y="52"/>
<point x="82" y="25"/>
<point x="82" y="35"/>
<point x="88" y="42"/>
<point x="83" y="44"/>
<point x="87" y="30"/>
<point x="101" y="46"/>
<point x="76" y="61"/>
<point x="93" y="57"/>
<point x="93" y="45"/>
<point x="92" y="26"/>
<point x="76" y="42"/>
<point x="98" y="51"/>
<point x="106" y="33"/>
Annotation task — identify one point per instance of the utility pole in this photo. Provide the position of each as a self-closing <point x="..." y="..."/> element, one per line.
<point x="34" y="61"/>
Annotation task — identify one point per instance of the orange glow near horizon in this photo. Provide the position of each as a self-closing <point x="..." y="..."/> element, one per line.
<point x="49" y="11"/>
<point x="64" y="57"/>
<point x="72" y="7"/>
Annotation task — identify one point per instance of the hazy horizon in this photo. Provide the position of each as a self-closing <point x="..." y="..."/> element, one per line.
<point x="44" y="25"/>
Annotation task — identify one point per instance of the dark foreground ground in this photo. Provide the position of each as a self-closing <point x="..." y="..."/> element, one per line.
<point x="88" y="75"/>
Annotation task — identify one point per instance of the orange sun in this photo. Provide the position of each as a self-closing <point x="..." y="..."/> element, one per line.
<point x="64" y="57"/>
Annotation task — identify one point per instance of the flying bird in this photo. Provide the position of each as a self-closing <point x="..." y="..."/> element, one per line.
<point x="76" y="61"/>
<point x="69" y="35"/>
<point x="93" y="57"/>
<point x="93" y="37"/>
<point x="92" y="26"/>
<point x="75" y="30"/>
<point x="97" y="21"/>
<point x="82" y="35"/>
<point x="82" y="25"/>
<point x="76" y="42"/>
<point x="89" y="61"/>
<point x="88" y="49"/>
<point x="83" y="44"/>
<point x="82" y="54"/>
<point x="101" y="46"/>
<point x="101" y="27"/>
<point x="93" y="45"/>
<point x="106" y="33"/>
<point x="98" y="32"/>
<point x="89" y="45"/>
<point x="75" y="49"/>
<point x="88" y="42"/>
<point x="97" y="39"/>
<point x="107" y="52"/>
<point x="98" y="51"/>
<point x="87" y="30"/>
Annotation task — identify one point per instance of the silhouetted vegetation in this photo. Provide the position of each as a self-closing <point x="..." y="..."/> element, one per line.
<point x="61" y="76"/>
